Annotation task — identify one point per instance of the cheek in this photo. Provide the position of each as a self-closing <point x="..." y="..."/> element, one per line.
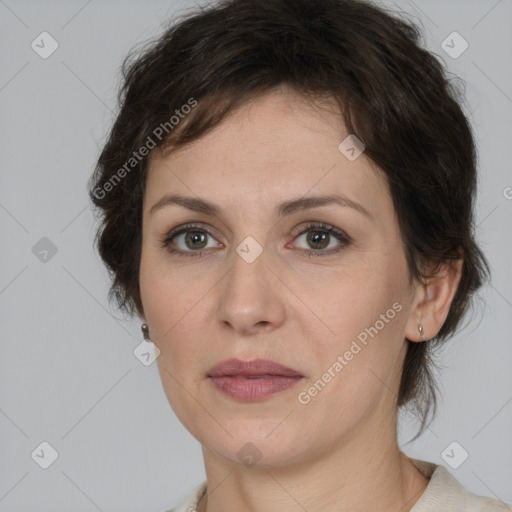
<point x="172" y="309"/>
<point x="165" y="295"/>
<point x="347" y="303"/>
<point x="177" y="303"/>
<point x="353" y="377"/>
<point x="357" y="344"/>
<point x="169" y="311"/>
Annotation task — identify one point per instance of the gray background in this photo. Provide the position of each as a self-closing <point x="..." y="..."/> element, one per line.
<point x="68" y="375"/>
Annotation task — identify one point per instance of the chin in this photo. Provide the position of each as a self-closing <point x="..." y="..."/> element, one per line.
<point x="255" y="443"/>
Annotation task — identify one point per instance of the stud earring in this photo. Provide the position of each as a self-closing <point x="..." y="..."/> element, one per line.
<point x="420" y="328"/>
<point x="145" y="332"/>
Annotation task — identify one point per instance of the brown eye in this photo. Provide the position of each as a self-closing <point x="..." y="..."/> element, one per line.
<point x="195" y="239"/>
<point x="190" y="240"/>
<point x="320" y="237"/>
<point x="321" y="240"/>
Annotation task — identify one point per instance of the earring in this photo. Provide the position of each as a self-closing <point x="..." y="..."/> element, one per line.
<point x="145" y="332"/>
<point x="420" y="328"/>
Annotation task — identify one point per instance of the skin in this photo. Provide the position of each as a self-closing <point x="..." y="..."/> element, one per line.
<point x="339" y="451"/>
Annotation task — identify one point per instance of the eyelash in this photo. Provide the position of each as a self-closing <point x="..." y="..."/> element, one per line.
<point x="318" y="226"/>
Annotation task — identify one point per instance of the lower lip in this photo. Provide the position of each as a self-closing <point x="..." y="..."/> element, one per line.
<point x="253" y="389"/>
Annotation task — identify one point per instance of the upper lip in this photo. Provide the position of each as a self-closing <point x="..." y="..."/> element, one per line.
<point x="254" y="367"/>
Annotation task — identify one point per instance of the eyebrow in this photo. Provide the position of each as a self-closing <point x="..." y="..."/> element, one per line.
<point x="199" y="205"/>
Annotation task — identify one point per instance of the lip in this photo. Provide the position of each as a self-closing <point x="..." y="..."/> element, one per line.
<point x="253" y="380"/>
<point x="253" y="368"/>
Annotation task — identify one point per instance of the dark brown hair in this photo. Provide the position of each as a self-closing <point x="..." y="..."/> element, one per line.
<point x="394" y="96"/>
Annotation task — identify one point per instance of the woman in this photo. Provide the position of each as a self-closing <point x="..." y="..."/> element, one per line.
<point x="287" y="204"/>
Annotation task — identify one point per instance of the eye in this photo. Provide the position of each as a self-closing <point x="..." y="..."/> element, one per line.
<point x="319" y="237"/>
<point x="192" y="237"/>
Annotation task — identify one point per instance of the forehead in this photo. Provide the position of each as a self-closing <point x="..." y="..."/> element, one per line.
<point x="275" y="147"/>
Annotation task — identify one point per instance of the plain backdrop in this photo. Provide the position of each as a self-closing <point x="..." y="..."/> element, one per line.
<point x="68" y="374"/>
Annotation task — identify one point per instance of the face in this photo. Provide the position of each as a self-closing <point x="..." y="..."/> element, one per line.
<point x="322" y="289"/>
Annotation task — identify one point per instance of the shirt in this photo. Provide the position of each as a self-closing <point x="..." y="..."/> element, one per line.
<point x="443" y="494"/>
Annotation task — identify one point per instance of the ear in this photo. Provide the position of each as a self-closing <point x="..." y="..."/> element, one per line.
<point x="432" y="300"/>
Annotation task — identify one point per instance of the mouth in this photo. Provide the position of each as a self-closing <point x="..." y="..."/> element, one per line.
<point x="251" y="381"/>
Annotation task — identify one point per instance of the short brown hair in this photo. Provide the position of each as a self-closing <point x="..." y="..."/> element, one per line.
<point x="393" y="94"/>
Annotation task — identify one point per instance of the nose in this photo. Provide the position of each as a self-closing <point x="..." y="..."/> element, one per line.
<point x="251" y="299"/>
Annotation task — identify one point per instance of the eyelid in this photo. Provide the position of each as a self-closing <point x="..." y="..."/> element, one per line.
<point x="200" y="226"/>
<point x="320" y="226"/>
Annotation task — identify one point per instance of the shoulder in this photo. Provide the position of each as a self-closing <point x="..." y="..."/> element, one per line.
<point x="445" y="493"/>
<point x="189" y="503"/>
